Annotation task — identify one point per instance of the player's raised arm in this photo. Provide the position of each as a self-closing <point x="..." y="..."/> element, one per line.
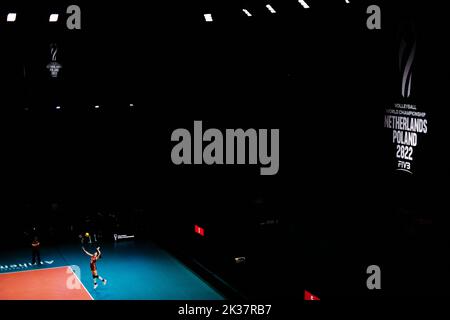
<point x="87" y="252"/>
<point x="99" y="253"/>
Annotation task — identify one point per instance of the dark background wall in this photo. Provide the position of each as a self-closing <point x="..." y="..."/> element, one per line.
<point x="319" y="75"/>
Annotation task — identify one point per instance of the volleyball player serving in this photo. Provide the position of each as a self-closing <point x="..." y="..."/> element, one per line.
<point x="94" y="257"/>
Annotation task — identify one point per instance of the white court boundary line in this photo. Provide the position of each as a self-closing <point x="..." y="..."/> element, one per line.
<point x="66" y="267"/>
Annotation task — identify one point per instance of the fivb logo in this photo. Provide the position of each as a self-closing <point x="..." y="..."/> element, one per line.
<point x="407" y="54"/>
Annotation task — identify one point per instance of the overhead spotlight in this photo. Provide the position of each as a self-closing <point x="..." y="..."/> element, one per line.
<point x="303" y="3"/>
<point x="96" y="106"/>
<point x="247" y="13"/>
<point x="11" y="17"/>
<point x="269" y="7"/>
<point x="53" y="17"/>
<point x="347" y="1"/>
<point x="131" y="105"/>
<point x="58" y="107"/>
<point x="208" y="17"/>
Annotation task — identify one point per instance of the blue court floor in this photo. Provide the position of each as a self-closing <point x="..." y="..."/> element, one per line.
<point x="134" y="271"/>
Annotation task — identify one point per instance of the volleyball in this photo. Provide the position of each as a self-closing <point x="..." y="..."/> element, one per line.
<point x="87" y="234"/>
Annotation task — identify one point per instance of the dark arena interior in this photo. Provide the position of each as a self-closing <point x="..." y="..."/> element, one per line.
<point x="87" y="117"/>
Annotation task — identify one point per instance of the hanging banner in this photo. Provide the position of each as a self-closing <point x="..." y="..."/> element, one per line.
<point x="405" y="119"/>
<point x="54" y="66"/>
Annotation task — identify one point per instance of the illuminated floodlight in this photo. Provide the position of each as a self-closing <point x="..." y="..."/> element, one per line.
<point x="208" y="17"/>
<point x="11" y="17"/>
<point x="304" y="4"/>
<point x="53" y="17"/>
<point x="269" y="7"/>
<point x="247" y="13"/>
